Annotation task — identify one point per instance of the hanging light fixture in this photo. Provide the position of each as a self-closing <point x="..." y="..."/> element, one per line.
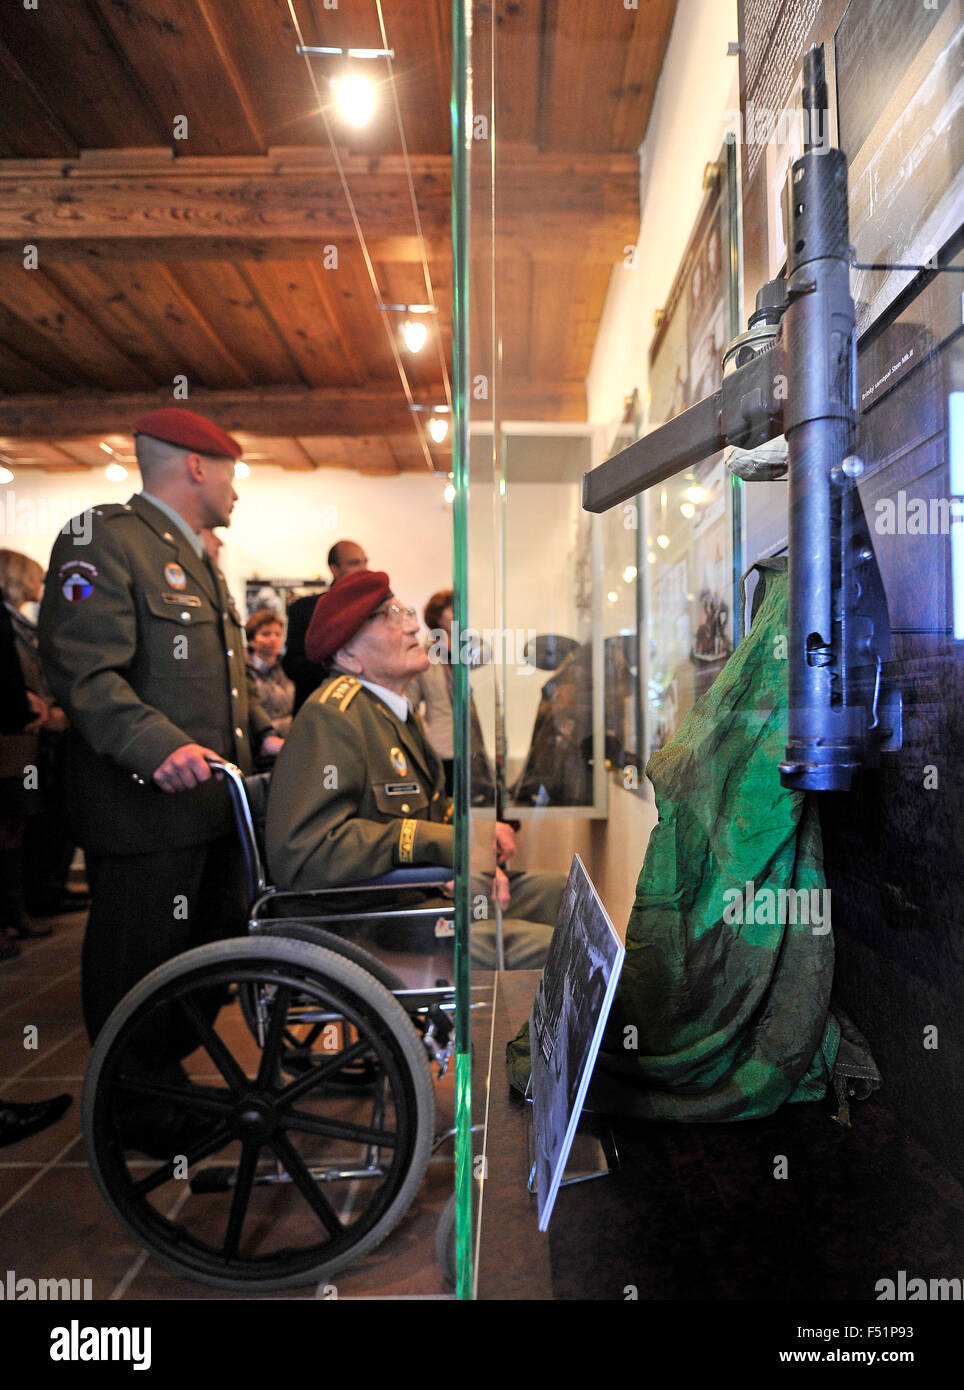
<point x="355" y="96"/>
<point x="241" y="469"/>
<point x="116" y="472"/>
<point x="438" y="428"/>
<point x="414" y="334"/>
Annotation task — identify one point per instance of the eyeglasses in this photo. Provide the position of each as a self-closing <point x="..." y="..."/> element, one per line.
<point x="396" y="613"/>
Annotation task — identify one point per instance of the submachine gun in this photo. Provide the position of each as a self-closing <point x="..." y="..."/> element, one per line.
<point x="794" y="373"/>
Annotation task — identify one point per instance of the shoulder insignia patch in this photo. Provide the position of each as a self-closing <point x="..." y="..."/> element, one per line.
<point x="76" y="579"/>
<point x="341" y="691"/>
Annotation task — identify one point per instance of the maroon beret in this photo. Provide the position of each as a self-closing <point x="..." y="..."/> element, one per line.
<point x="340" y="612"/>
<point x="188" y="430"/>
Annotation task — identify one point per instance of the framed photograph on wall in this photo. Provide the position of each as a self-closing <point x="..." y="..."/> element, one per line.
<point x="278" y="594"/>
<point x="690" y="538"/>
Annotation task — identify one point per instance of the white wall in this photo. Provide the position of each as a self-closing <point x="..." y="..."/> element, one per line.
<point x="282" y="526"/>
<point x="699" y="83"/>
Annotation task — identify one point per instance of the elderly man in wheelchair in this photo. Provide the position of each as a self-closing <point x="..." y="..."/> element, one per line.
<point x="308" y="1114"/>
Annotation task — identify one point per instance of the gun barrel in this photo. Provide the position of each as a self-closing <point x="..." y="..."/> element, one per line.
<point x="682" y="441"/>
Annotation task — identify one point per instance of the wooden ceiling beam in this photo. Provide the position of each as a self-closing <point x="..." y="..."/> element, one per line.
<point x="270" y="410"/>
<point x="274" y="411"/>
<point x="109" y="201"/>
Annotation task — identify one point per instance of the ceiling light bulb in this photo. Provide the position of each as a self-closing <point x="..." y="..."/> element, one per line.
<point x="687" y="509"/>
<point x="694" y="494"/>
<point x="356" y="99"/>
<point x="241" y="469"/>
<point x="414" y="335"/>
<point x="613" y="596"/>
<point x="116" y="472"/>
<point x="651" y="557"/>
<point x="448" y="492"/>
<point x="438" y="428"/>
<point x="629" y="574"/>
<point x="662" y="541"/>
<point x="6" y="474"/>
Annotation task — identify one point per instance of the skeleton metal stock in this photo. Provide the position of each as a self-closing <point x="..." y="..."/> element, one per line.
<point x="794" y="373"/>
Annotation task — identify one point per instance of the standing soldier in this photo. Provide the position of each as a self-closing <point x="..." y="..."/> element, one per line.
<point x="144" y="649"/>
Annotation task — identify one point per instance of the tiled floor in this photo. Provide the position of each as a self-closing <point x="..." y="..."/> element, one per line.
<point x="53" y="1221"/>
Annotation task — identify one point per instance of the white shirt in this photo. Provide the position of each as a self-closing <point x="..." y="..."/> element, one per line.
<point x="398" y="704"/>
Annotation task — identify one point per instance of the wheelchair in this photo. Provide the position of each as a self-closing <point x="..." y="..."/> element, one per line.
<point x="308" y="1108"/>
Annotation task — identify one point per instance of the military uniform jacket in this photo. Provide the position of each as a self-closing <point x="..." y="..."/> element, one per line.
<point x="355" y="793"/>
<point x="144" y="650"/>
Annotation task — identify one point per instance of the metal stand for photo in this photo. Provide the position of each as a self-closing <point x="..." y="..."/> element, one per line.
<point x="593" y="1153"/>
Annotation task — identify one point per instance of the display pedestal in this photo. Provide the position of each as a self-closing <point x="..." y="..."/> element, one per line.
<point x="694" y="1211"/>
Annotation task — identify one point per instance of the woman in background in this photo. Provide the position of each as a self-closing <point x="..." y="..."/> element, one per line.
<point x="275" y="690"/>
<point x="431" y="694"/>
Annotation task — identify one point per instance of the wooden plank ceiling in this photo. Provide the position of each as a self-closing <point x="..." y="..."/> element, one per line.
<point x="209" y="257"/>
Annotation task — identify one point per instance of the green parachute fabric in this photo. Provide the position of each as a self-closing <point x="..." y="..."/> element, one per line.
<point x="722" y="1009"/>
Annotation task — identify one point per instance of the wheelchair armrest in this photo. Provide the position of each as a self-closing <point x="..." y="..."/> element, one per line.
<point x="425" y="876"/>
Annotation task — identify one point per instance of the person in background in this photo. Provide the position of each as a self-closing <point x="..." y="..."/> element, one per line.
<point x="275" y="690"/>
<point x="48" y="844"/>
<point x="430" y="692"/>
<point x="344" y="557"/>
<point x="21" y="715"/>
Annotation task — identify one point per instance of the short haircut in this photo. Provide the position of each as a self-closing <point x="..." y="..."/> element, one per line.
<point x="434" y="608"/>
<point x="263" y="617"/>
<point x="157" y="459"/>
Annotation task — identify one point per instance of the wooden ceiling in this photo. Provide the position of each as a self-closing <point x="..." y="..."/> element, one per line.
<point x="209" y="257"/>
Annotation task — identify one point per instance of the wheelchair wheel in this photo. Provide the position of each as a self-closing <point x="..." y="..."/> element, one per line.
<point x="300" y="1043"/>
<point x="277" y="1182"/>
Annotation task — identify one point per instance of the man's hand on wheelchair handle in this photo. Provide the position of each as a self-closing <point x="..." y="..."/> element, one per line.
<point x="185" y="768"/>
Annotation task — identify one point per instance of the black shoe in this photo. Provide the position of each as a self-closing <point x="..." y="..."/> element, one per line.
<point x="28" y="933"/>
<point x="20" y="1121"/>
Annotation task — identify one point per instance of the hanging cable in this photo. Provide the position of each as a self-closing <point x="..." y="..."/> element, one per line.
<point x="369" y="265"/>
<point x="429" y="292"/>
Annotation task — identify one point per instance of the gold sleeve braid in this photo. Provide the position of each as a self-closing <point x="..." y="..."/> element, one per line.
<point x="406" y="841"/>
